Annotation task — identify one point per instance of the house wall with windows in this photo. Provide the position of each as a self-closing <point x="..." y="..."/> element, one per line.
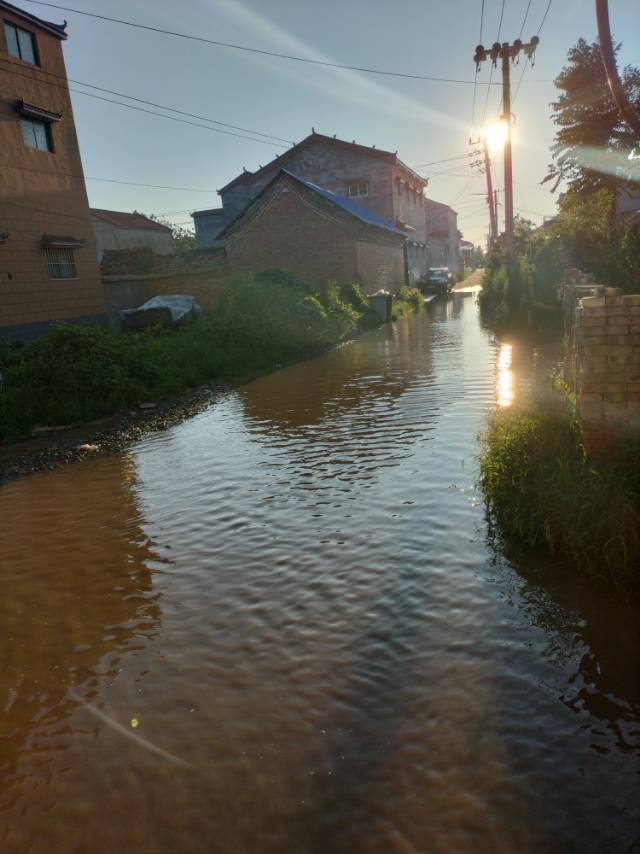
<point x="48" y="265"/>
<point x="376" y="179"/>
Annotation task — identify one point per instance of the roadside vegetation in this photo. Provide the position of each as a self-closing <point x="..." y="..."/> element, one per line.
<point x="543" y="495"/>
<point x="78" y="374"/>
<point x="592" y="156"/>
<point x="406" y="302"/>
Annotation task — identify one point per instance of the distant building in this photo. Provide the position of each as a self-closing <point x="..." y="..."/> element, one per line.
<point x="443" y="237"/>
<point x="377" y="180"/>
<point x="119" y="230"/>
<point x="48" y="265"/>
<point x="316" y="235"/>
<point x="466" y="252"/>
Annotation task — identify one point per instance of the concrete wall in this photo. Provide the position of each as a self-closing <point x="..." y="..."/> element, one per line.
<point x="41" y="193"/>
<point x="109" y="237"/>
<point x="122" y="294"/>
<point x="417" y="262"/>
<point x="607" y="365"/>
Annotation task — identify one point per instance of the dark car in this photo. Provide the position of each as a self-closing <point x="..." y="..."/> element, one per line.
<point x="438" y="280"/>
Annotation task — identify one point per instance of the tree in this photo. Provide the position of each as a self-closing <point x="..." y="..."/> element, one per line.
<point x="590" y="126"/>
<point x="184" y="240"/>
<point x="591" y="153"/>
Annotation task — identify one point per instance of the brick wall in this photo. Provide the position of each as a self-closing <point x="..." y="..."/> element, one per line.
<point x="286" y="233"/>
<point x="607" y="361"/>
<point x="379" y="266"/>
<point x="41" y="192"/>
<point x="207" y="287"/>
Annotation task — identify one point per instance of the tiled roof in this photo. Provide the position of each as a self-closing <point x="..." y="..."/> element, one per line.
<point x="55" y="29"/>
<point x="348" y="205"/>
<point x="281" y="159"/>
<point x="120" y="219"/>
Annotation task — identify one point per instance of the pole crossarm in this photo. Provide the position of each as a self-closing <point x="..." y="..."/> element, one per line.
<point x="507" y="53"/>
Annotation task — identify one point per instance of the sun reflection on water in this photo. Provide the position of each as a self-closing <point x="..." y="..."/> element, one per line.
<point x="504" y="385"/>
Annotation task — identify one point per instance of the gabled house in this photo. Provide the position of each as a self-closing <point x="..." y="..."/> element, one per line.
<point x="376" y="179"/>
<point x="48" y="265"/>
<point x="315" y="234"/>
<point x="119" y="230"/>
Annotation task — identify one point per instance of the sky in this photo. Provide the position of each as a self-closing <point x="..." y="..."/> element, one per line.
<point x="423" y="120"/>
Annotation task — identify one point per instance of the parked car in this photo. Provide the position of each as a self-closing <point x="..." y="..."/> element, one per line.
<point x="438" y="280"/>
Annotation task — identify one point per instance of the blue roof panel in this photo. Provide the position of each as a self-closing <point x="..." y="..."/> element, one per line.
<point x="349" y="206"/>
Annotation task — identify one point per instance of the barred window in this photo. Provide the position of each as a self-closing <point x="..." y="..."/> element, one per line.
<point x="62" y="264"/>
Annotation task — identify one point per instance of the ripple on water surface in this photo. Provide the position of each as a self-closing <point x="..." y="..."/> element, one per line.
<point x="280" y="627"/>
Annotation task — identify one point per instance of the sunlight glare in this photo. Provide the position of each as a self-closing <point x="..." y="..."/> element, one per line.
<point x="504" y="386"/>
<point x="496" y="135"/>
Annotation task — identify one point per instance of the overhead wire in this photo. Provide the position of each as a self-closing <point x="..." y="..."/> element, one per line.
<point x="153" y="104"/>
<point x="475" y="79"/>
<point x="261" y="51"/>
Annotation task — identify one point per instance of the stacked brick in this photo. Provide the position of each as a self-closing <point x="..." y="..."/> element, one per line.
<point x="607" y="360"/>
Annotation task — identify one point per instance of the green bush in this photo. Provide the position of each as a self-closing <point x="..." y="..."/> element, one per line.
<point x="406" y="302"/>
<point x="80" y="373"/>
<point x="542" y="493"/>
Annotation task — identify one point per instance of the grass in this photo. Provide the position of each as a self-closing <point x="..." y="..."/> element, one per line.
<point x="542" y="493"/>
<point x="407" y="302"/>
<point x="79" y="373"/>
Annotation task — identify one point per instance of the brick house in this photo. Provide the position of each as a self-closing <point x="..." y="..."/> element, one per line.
<point x="48" y="265"/>
<point x="377" y="180"/>
<point x="316" y="235"/>
<point x="443" y="237"/>
<point x="119" y="230"/>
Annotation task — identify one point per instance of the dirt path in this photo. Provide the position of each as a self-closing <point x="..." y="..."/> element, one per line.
<point x="472" y="283"/>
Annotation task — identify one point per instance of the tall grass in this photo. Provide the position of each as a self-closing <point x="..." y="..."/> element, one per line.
<point x="542" y="493"/>
<point x="80" y="373"/>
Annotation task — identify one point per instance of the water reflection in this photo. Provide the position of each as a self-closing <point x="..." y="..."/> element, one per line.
<point x="505" y="381"/>
<point x="290" y="599"/>
<point x="74" y="604"/>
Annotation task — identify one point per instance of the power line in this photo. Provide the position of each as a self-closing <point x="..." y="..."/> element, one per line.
<point x="108" y="180"/>
<point x="501" y="17"/>
<point x="475" y="79"/>
<point x="524" y="20"/>
<point x="544" y="17"/>
<point x="260" y="51"/>
<point x="151" y="103"/>
<point x="445" y="160"/>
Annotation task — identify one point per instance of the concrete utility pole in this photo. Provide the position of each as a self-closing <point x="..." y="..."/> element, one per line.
<point x="493" y="219"/>
<point x="507" y="53"/>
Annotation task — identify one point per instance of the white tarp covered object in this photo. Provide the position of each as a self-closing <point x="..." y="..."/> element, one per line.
<point x="180" y="307"/>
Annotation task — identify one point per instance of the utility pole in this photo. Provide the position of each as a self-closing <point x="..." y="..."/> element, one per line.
<point x="490" y="194"/>
<point x="507" y="53"/>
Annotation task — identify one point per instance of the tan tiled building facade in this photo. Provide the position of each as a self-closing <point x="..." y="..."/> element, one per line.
<point x="48" y="265"/>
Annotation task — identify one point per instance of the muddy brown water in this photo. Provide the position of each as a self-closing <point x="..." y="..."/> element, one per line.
<point x="282" y="627"/>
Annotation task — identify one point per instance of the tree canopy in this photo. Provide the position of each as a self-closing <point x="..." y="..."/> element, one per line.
<point x="592" y="141"/>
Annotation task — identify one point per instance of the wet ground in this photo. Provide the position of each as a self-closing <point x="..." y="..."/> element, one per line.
<point x="281" y="626"/>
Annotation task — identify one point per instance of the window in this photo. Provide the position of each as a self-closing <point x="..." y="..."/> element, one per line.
<point x="21" y="43"/>
<point x="62" y="263"/>
<point x="37" y="134"/>
<point x="356" y="189"/>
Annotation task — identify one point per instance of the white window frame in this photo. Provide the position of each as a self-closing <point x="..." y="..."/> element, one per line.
<point x="361" y="189"/>
<point x="61" y="263"/>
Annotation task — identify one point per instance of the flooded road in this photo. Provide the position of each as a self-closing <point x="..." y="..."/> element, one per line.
<point x="282" y="627"/>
